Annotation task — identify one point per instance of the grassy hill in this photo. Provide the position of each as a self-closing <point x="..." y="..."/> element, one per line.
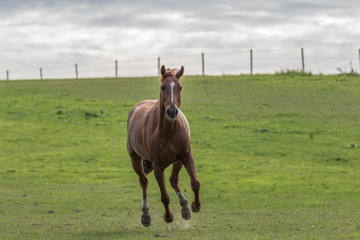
<point x="278" y="157"/>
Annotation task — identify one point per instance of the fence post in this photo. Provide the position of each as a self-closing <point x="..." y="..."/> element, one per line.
<point x="251" y="62"/>
<point x="203" y="63"/>
<point x="41" y="74"/>
<point x="7" y="75"/>
<point x="158" y="66"/>
<point x="76" y="71"/>
<point x="302" y="60"/>
<point x="116" y="68"/>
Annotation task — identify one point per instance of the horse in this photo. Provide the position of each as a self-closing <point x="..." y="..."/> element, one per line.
<point x="158" y="135"/>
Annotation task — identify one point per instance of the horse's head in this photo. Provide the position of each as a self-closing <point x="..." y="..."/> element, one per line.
<point x="170" y="93"/>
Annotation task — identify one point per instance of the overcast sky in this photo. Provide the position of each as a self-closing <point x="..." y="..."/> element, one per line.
<point x="57" y="34"/>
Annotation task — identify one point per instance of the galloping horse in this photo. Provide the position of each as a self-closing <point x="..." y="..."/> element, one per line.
<point x="158" y="136"/>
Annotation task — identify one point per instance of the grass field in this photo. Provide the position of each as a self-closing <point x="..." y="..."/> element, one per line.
<point x="278" y="157"/>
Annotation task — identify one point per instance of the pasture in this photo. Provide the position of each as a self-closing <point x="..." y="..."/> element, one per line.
<point x="277" y="156"/>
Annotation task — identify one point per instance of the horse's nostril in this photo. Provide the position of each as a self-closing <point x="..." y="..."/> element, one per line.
<point x="172" y="112"/>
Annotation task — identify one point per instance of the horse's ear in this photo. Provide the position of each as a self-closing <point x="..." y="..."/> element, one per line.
<point x="162" y="70"/>
<point x="180" y="72"/>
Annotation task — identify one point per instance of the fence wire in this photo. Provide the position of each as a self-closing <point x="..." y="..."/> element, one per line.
<point x="316" y="61"/>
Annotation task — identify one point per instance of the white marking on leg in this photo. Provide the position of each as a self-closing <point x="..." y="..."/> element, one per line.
<point x="180" y="195"/>
<point x="182" y="198"/>
<point x="185" y="211"/>
<point x="144" y="205"/>
<point x="172" y="84"/>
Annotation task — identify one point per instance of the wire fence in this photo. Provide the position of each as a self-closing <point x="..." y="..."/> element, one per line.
<point x="243" y="61"/>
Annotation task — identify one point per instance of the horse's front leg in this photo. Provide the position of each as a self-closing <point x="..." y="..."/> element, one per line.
<point x="159" y="175"/>
<point x="174" y="180"/>
<point x="195" y="184"/>
<point x="137" y="165"/>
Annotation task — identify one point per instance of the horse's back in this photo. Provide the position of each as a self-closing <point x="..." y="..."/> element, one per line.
<point x="139" y="111"/>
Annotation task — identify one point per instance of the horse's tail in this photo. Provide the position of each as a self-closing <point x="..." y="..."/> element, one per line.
<point x="148" y="167"/>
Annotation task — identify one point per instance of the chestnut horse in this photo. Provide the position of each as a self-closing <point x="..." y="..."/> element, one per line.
<point x="158" y="136"/>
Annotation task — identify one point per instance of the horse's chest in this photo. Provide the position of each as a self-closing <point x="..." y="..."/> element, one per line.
<point x="169" y="153"/>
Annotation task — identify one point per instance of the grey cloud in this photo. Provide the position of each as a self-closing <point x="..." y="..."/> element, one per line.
<point x="105" y="29"/>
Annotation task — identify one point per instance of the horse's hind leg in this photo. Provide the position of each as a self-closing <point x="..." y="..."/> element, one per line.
<point x="195" y="184"/>
<point x="159" y="175"/>
<point x="174" y="180"/>
<point x="138" y="168"/>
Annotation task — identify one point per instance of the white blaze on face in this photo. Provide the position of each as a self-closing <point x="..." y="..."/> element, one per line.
<point x="172" y="84"/>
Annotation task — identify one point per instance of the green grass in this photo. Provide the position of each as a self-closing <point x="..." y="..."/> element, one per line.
<point x="276" y="157"/>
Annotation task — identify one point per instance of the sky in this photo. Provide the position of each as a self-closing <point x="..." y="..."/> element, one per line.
<point x="55" y="35"/>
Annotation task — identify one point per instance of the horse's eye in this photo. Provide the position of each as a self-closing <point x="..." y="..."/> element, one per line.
<point x="180" y="88"/>
<point x="163" y="87"/>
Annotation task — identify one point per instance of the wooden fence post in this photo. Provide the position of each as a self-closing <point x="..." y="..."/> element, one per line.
<point x="158" y="66"/>
<point x="251" y="62"/>
<point x="7" y="75"/>
<point x="76" y="71"/>
<point x="116" y="68"/>
<point x="302" y="60"/>
<point x="41" y="74"/>
<point x="203" y="63"/>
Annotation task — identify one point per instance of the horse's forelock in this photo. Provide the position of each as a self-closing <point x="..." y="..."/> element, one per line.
<point x="169" y="72"/>
<point x="175" y="70"/>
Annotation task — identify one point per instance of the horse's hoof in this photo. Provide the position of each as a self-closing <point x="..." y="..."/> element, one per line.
<point x="194" y="208"/>
<point x="169" y="219"/>
<point x="185" y="213"/>
<point x="146" y="220"/>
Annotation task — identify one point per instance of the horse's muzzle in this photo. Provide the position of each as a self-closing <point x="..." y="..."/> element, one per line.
<point x="172" y="113"/>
